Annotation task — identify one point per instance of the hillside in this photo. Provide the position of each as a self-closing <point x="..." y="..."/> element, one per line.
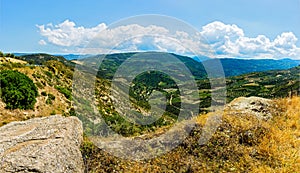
<point x="269" y="84"/>
<point x="53" y="80"/>
<point x="242" y="143"/>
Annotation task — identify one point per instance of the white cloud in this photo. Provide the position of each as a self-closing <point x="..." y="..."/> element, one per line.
<point x="230" y="41"/>
<point x="42" y="42"/>
<point x="286" y="40"/>
<point x="67" y="34"/>
<point x="227" y="40"/>
<point x="216" y="32"/>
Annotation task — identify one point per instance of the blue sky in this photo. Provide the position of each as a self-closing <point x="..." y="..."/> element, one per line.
<point x="19" y="21"/>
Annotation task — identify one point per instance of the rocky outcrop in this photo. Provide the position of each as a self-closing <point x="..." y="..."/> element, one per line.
<point x="50" y="144"/>
<point x="261" y="108"/>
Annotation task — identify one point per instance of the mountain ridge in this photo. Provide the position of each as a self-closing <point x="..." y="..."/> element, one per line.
<point x="231" y="66"/>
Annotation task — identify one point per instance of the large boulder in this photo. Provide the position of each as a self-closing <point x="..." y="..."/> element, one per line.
<point x="50" y="144"/>
<point x="259" y="107"/>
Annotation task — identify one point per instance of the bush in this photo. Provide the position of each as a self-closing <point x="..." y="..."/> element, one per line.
<point x="17" y="90"/>
<point x="66" y="92"/>
<point x="43" y="93"/>
<point x="50" y="98"/>
<point x="49" y="101"/>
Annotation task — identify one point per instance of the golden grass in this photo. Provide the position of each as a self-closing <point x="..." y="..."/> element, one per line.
<point x="281" y="145"/>
<point x="275" y="147"/>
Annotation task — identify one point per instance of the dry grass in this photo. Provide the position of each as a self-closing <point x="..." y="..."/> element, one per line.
<point x="272" y="146"/>
<point x="281" y="145"/>
<point x="11" y="60"/>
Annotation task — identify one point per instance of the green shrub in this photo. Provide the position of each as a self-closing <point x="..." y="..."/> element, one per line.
<point x="43" y="93"/>
<point x="49" y="74"/>
<point x="51" y="96"/>
<point x="48" y="101"/>
<point x="66" y="92"/>
<point x="17" y="90"/>
<point x="39" y="85"/>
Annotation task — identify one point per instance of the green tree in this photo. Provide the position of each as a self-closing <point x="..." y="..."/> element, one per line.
<point x="17" y="90"/>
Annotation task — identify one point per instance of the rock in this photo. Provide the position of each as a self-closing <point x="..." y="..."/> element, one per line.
<point x="50" y="144"/>
<point x="260" y="107"/>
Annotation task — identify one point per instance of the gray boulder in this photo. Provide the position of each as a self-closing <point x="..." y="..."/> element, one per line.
<point x="50" y="144"/>
<point x="259" y="107"/>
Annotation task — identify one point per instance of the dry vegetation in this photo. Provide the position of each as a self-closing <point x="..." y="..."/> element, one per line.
<point x="280" y="147"/>
<point x="45" y="83"/>
<point x="241" y="144"/>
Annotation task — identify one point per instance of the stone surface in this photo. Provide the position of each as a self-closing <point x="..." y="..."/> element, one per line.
<point x="260" y="107"/>
<point x="50" y="144"/>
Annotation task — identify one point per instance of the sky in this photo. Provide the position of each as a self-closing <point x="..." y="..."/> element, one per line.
<point x="234" y="28"/>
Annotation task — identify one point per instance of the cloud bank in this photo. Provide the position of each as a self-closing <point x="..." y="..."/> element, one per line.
<point x="226" y="40"/>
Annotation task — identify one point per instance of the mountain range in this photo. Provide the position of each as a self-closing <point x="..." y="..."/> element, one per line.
<point x="231" y="66"/>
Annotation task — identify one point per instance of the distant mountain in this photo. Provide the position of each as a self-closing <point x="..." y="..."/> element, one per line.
<point x="21" y="54"/>
<point x="111" y="62"/>
<point x="75" y="56"/>
<point x="231" y="66"/>
<point x="235" y="67"/>
<point x="201" y="58"/>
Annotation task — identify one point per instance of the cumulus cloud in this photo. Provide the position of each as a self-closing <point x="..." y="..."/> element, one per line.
<point x="67" y="34"/>
<point x="217" y="32"/>
<point x="230" y="41"/>
<point x="226" y="40"/>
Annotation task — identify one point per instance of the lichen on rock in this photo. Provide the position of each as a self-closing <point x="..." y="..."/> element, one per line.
<point x="50" y="144"/>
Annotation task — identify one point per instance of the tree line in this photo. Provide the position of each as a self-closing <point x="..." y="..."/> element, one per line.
<point x="10" y="55"/>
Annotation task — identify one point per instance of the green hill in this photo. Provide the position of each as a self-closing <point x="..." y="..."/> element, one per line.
<point x="41" y="58"/>
<point x="269" y="84"/>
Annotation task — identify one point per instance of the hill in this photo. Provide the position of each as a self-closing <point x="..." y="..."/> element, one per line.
<point x="111" y="62"/>
<point x="75" y="56"/>
<point x="269" y="84"/>
<point x="41" y="58"/>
